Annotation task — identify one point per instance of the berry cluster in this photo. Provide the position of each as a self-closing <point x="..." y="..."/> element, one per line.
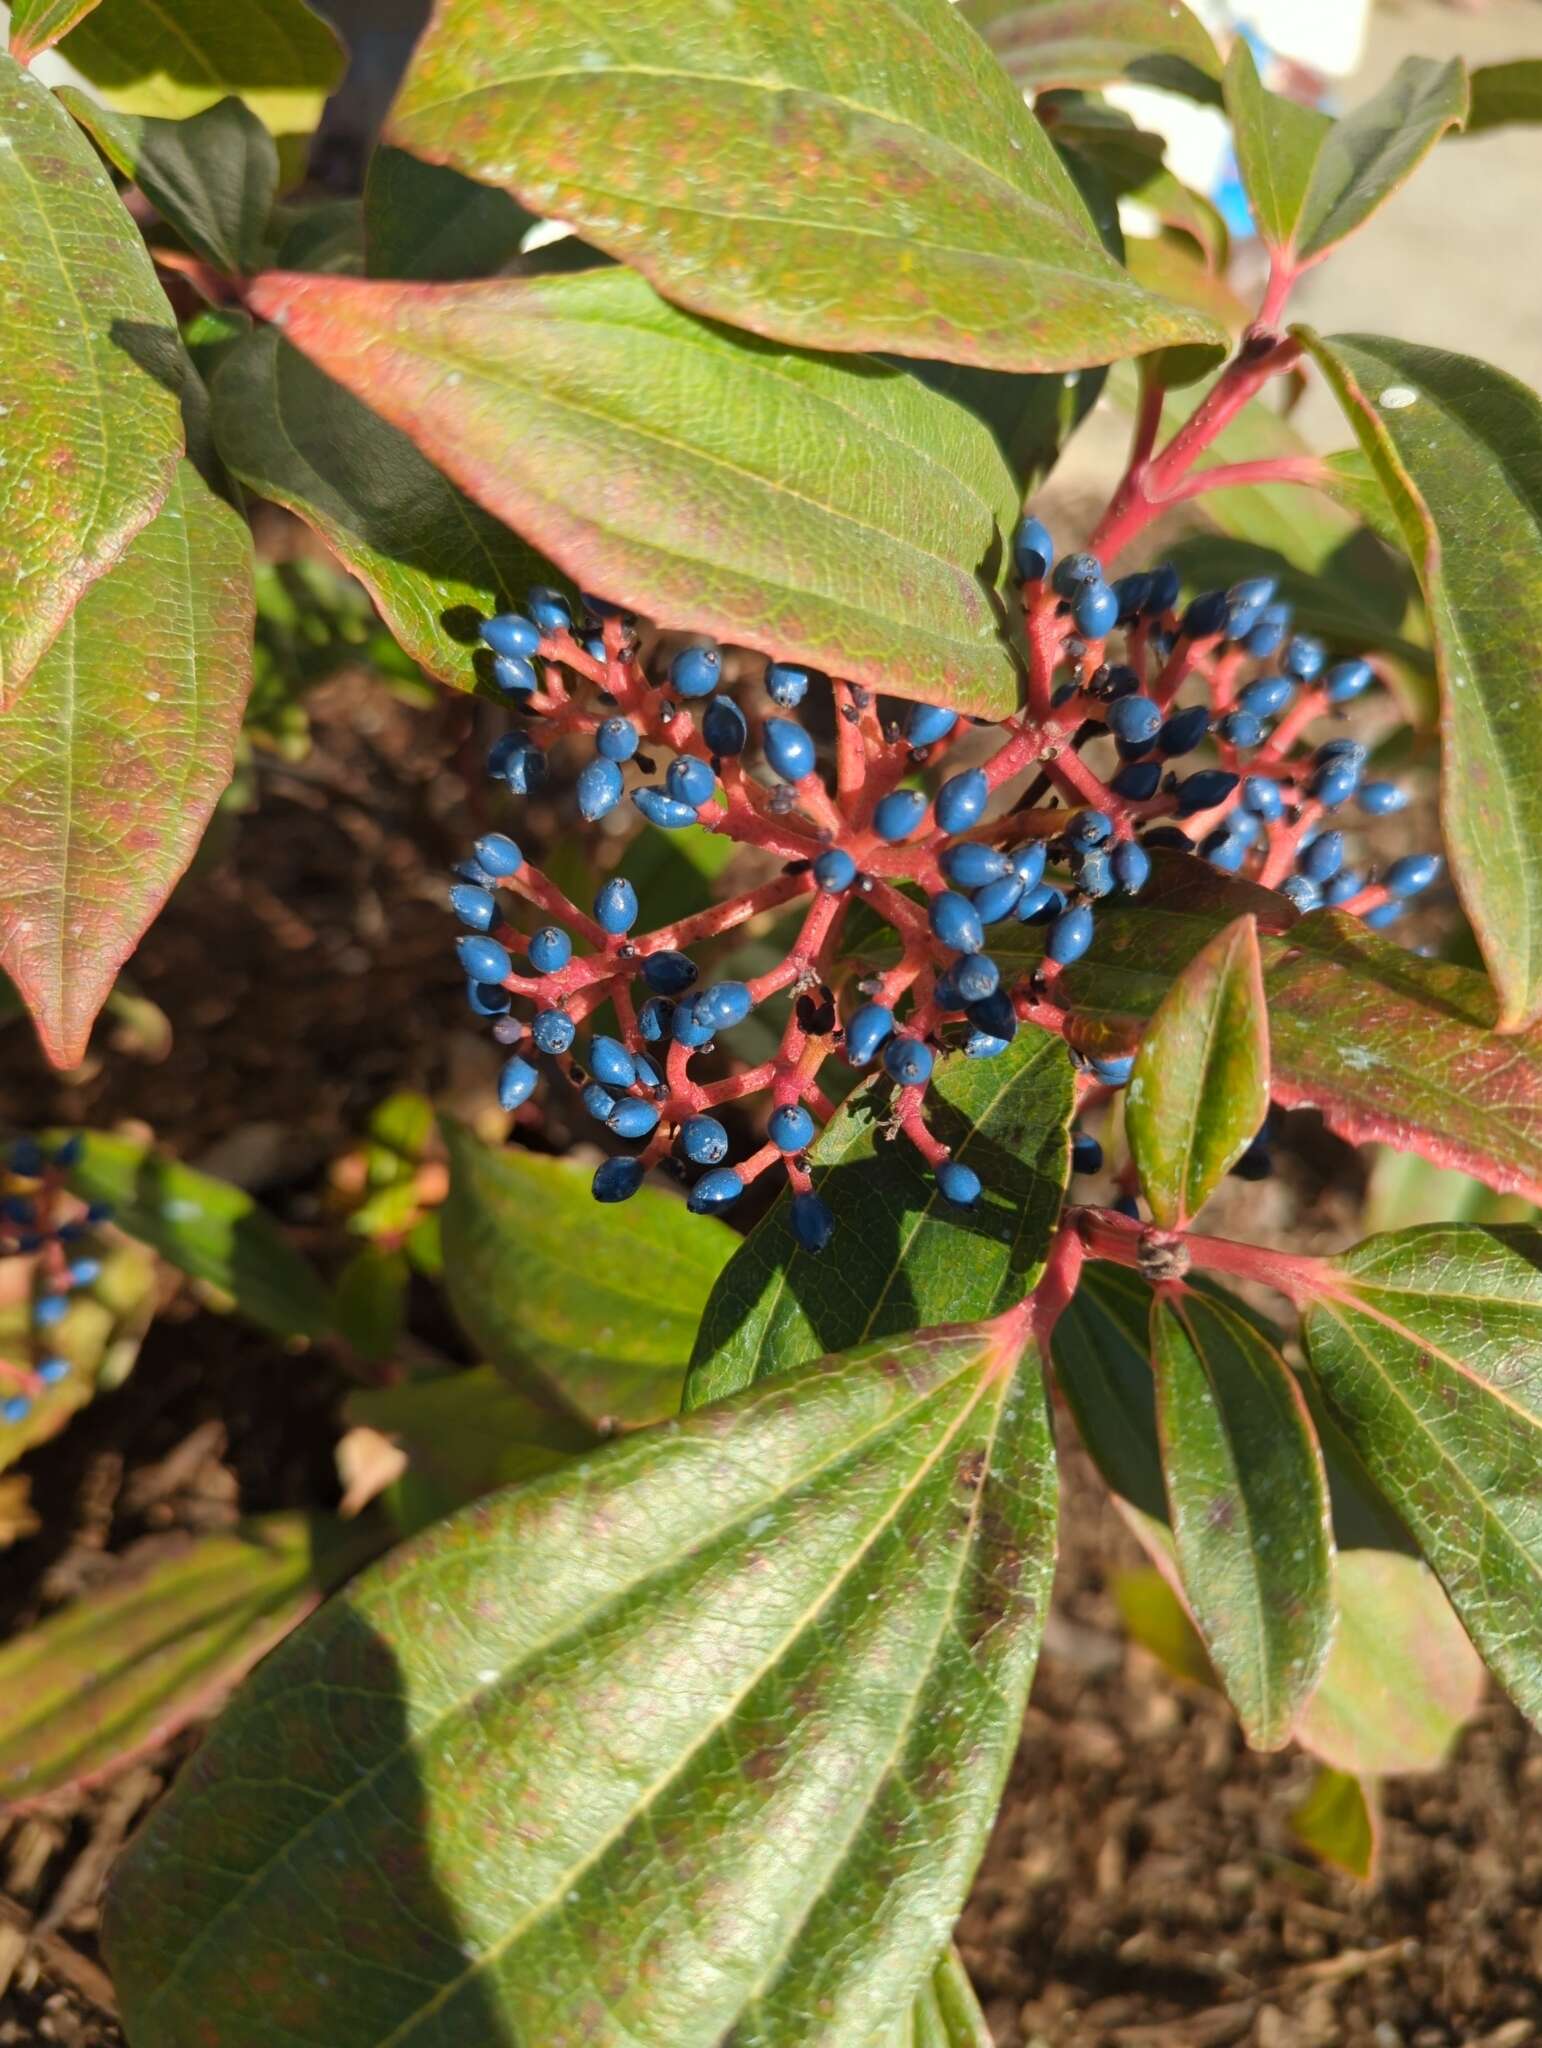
<point x="939" y="837"/>
<point x="34" y="1224"/>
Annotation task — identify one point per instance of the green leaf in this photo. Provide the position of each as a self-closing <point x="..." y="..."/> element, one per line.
<point x="176" y="57"/>
<point x="113" y="758"/>
<point x="1031" y="417"/>
<point x="1337" y="1821"/>
<point x="1313" y="180"/>
<point x="1249" y="1502"/>
<point x="1458" y="447"/>
<point x="208" y="1228"/>
<point x="369" y="1304"/>
<point x="817" y="507"/>
<point x="100" y="1335"/>
<point x="947" y="2014"/>
<point x="886" y="188"/>
<point x="214" y="176"/>
<point x="1044" y="43"/>
<point x="427" y="223"/>
<point x="903" y="1258"/>
<point x="1401" y="1679"/>
<point x="36" y="25"/>
<point x="698" y="1738"/>
<point x="1152" y="1615"/>
<point x="121" y="1669"/>
<point x="601" y="1303"/>
<point x="1200" y="1089"/>
<point x="1505" y="92"/>
<point x="91" y="430"/>
<point x="1101" y="1350"/>
<point x="1427" y="1346"/>
<point x="434" y="563"/>
<point x="1388" y="1046"/>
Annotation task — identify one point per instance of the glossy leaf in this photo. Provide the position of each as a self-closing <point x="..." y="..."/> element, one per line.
<point x="600" y="1302"/>
<point x="36" y="25"/>
<point x="1045" y="43"/>
<point x="903" y="1258"/>
<point x="125" y="1666"/>
<point x="214" y="176"/>
<point x="91" y="430"/>
<point x="817" y="507"/>
<point x="176" y="57"/>
<point x="210" y="1229"/>
<point x="428" y="223"/>
<point x="1249" y="1508"/>
<point x="1505" y="92"/>
<point x="1458" y="448"/>
<point x="1401" y="1679"/>
<point x="434" y="562"/>
<point x="1200" y="1089"/>
<point x="1428" y="1351"/>
<point x="1030" y="416"/>
<point x="737" y="1699"/>
<point x="1388" y="1046"/>
<point x="100" y="1336"/>
<point x="1337" y="1821"/>
<point x="1101" y="1351"/>
<point x="115" y="754"/>
<point x="1313" y="180"/>
<point x="886" y="188"/>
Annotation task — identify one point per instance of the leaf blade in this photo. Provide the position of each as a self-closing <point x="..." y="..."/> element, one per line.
<point x="36" y="25"/>
<point x="1046" y="43"/>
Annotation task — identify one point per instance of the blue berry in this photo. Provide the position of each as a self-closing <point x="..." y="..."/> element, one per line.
<point x="789" y="749"/>
<point x="725" y="728"/>
<point x="518" y="678"/>
<point x="1113" y="1069"/>
<point x="994" y="1014"/>
<point x="1040" y="903"/>
<point x="1245" y="601"/>
<point x="868" y="1029"/>
<point x="1163" y="595"/>
<point x="1242" y="729"/>
<point x="1028" y="863"/>
<point x="553" y="1032"/>
<point x="51" y="1370"/>
<point x="1206" y="616"/>
<point x="976" y="976"/>
<point x="1086" y="1153"/>
<point x="927" y="723"/>
<point x="616" y="906"/>
<point x="961" y="800"/>
<point x="601" y="608"/>
<point x="714" y="1192"/>
<point x="518" y="761"/>
<point x="1222" y="851"/>
<point x="648" y="1074"/>
<point x="517" y="1083"/>
<point x="1380" y="799"/>
<point x="666" y="812"/>
<point x="616" y="739"/>
<point x="811" y="1221"/>
<point x="616" y="1180"/>
<point x="49" y="1309"/>
<point x="786" y="684"/>
<point x="473" y="906"/>
<point x="958" y="1183"/>
<point x="835" y="870"/>
<point x="1334" y="783"/>
<point x="598" y="1101"/>
<point x="594" y="646"/>
<point x="1183" y="730"/>
<point x="1263" y="797"/>
<point x="1093" y="869"/>
<point x="1413" y="873"/>
<point x="1169" y="836"/>
<point x="1303" y="657"/>
<point x="512" y="636"/>
<point x="1347" y="680"/>
<point x="487" y="999"/>
<point x="484" y="959"/>
<point x="1384" y="914"/>
<point x="1135" y="720"/>
<point x="610" y="1062"/>
<point x="1125" y="1205"/>
<point x="694" y="671"/>
<point x="1132" y="593"/>
<point x="1346" y="883"/>
<point x="496" y="854"/>
<point x="1322" y="858"/>
<point x="956" y="922"/>
<point x="791" y="1128"/>
<point x="550" y="949"/>
<point x="725" y="1004"/>
<point x="1266" y="695"/>
<point x="1138" y="780"/>
<point x="969" y="865"/>
<point x="1033" y="551"/>
<point x="1090" y="828"/>
<point x="689" y="781"/>
<point x="26" y="1158"/>
<point x="1204" y="789"/>
<point x="549" y="609"/>
<point x="687" y="1028"/>
<point x="898" y="814"/>
<point x="1070" y="935"/>
<point x="599" y="788"/>
<point x="15" y="1408"/>
<point x="669" y="973"/>
<point x="1074" y="572"/>
<point x="1132" y="867"/>
<point x="1342" y="749"/>
<point x="703" y="1141"/>
<point x="634" y="1118"/>
<point x="1264" y="638"/>
<point x="984" y="1045"/>
<point x="1306" y="895"/>
<point x="1096" y="611"/>
<point x="99" y="1212"/>
<point x="998" y="899"/>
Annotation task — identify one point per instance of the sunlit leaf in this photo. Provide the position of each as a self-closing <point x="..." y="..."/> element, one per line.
<point x="1338" y="1821"/>
<point x="1045" y="43"/>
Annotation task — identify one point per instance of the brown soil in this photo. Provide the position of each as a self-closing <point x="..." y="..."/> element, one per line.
<point x="1142" y="1886"/>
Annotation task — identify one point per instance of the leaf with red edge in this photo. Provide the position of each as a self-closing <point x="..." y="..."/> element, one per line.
<point x="1386" y="1045"/>
<point x="823" y="508"/>
<point x="827" y="174"/>
<point x="1045" y="43"/>
<point x="1200" y="1089"/>
<point x="113" y="757"/>
<point x="90" y="428"/>
<point x="36" y="25"/>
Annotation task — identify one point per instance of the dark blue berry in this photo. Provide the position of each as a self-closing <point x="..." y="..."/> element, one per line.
<point x="1086" y="1153"/>
<point x="517" y="1083"/>
<point x="958" y="1183"/>
<point x="1263" y="797"/>
<point x="513" y="675"/>
<point x="976" y="976"/>
<point x="1204" y="789"/>
<point x="1346" y="883"/>
<point x="484" y="959"/>
<point x="786" y="684"/>
<point x="1132" y="593"/>
<point x="961" y="800"/>
<point x="1132" y="867"/>
<point x="1070" y="935"/>
<point x="835" y="870"/>
<point x="1138" y="780"/>
<point x="725" y="728"/>
<point x="1206" y="616"/>
<point x="1322" y="858"/>
<point x="925" y="724"/>
<point x="956" y="922"/>
<point x="703" y="1141"/>
<point x="694" y="672"/>
<point x="1413" y="873"/>
<point x="1347" y="680"/>
<point x="664" y="811"/>
<point x="1089" y="828"/>
<point x="1074" y="572"/>
<point x="1096" y="611"/>
<point x="1380" y="799"/>
<point x="791" y="1128"/>
<point x="811" y="1221"/>
<point x="1242" y="729"/>
<point x="994" y="1014"/>
<point x="789" y="749"/>
<point x="633" y="1118"/>
<point x="898" y="814"/>
<point x="1245" y="602"/>
<point x="998" y="899"/>
<point x="1135" y="720"/>
<point x="1183" y="730"/>
<point x="648" y="1074"/>
<point x="1222" y="851"/>
<point x="1263" y="639"/>
<point x="1163" y="836"/>
<point x="550" y="949"/>
<point x="616" y="906"/>
<point x="610" y="1062"/>
<point x="518" y="761"/>
<point x="599" y="788"/>
<point x="616" y="1180"/>
<point x="669" y="973"/>
<point x="714" y="1192"/>
<point x="1303" y="657"/>
<point x="511" y="635"/>
<point x="473" y="906"/>
<point x="553" y="1032"/>
<point x="689" y="781"/>
<point x="1266" y="695"/>
<point x="1334" y="783"/>
<point x="868" y="1029"/>
<point x="1384" y="914"/>
<point x="969" y="865"/>
<point x="1163" y="595"/>
<point x="1033" y="551"/>
<point x="616" y="739"/>
<point x="549" y="608"/>
<point x="487" y="999"/>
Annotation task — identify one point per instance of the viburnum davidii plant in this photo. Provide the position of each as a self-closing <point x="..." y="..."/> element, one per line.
<point x="952" y="890"/>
